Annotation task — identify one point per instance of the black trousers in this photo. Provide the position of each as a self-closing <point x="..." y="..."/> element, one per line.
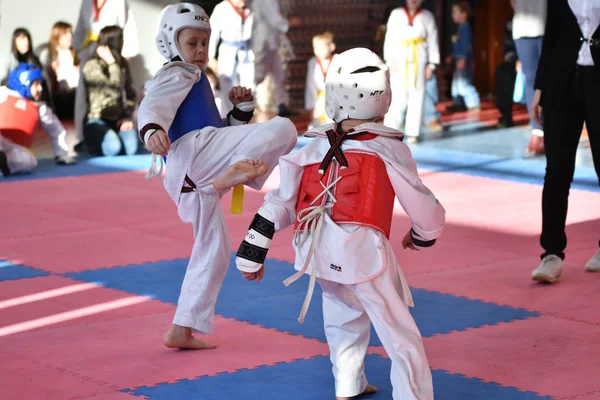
<point x="562" y="130"/>
<point x="506" y="75"/>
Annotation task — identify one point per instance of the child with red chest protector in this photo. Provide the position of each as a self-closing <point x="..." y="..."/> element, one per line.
<point x="339" y="193"/>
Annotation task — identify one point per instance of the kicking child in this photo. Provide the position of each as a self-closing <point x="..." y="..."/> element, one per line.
<point x="179" y="118"/>
<point x="339" y="192"/>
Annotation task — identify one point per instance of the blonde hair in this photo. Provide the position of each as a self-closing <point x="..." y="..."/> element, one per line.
<point x="60" y="28"/>
<point x="324" y="36"/>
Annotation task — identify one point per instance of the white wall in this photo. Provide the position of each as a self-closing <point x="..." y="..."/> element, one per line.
<point x="38" y="16"/>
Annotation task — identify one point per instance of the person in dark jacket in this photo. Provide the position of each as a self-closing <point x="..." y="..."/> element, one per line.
<point x="567" y="94"/>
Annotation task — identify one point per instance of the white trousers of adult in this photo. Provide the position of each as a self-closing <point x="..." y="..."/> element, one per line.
<point x="268" y="62"/>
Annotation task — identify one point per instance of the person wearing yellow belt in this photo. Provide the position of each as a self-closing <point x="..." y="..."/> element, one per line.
<point x="411" y="50"/>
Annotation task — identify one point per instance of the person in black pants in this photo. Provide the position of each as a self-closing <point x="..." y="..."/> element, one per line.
<point x="506" y="75"/>
<point x="567" y="91"/>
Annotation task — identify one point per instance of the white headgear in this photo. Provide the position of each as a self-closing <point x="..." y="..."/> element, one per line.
<point x="173" y="19"/>
<point x="352" y="93"/>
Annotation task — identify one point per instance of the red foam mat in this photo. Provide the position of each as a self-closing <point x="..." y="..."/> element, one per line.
<point x="54" y="302"/>
<point x="509" y="283"/>
<point x="95" y="349"/>
<point x="551" y="356"/>
<point x="29" y="220"/>
<point x="22" y="378"/>
<point x="106" y="247"/>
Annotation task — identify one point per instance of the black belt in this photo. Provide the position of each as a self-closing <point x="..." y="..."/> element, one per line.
<point x="591" y="41"/>
<point x="188" y="189"/>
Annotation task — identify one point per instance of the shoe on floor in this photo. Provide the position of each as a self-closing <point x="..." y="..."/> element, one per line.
<point x="4" y="164"/>
<point x="435" y="126"/>
<point x="64" y="160"/>
<point x="593" y="265"/>
<point x="549" y="270"/>
<point x="80" y="147"/>
<point x="505" y="123"/>
<point x="456" y="108"/>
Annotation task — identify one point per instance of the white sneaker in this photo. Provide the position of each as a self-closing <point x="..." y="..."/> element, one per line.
<point x="594" y="264"/>
<point x="549" y="270"/>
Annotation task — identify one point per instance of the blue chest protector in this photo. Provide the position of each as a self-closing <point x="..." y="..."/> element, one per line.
<point x="197" y="111"/>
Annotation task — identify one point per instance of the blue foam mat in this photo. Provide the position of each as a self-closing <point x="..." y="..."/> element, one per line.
<point x="312" y="380"/>
<point x="272" y="305"/>
<point x="13" y="272"/>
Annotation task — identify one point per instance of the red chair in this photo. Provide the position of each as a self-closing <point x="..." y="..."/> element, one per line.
<point x="18" y="118"/>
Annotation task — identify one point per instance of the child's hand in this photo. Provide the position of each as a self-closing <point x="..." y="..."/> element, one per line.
<point x="125" y="125"/>
<point x="428" y="72"/>
<point x="461" y="64"/>
<point x="105" y="54"/>
<point x="240" y="94"/>
<point x="159" y="143"/>
<point x="407" y="242"/>
<point x="255" y="276"/>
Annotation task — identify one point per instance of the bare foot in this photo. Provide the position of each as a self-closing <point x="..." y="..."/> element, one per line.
<point x="239" y="173"/>
<point x="180" y="337"/>
<point x="370" y="389"/>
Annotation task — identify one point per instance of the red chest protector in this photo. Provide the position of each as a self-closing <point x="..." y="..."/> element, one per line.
<point x="364" y="195"/>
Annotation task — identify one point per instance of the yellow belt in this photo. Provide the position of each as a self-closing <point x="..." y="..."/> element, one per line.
<point x="414" y="43"/>
<point x="237" y="200"/>
<point x="89" y="38"/>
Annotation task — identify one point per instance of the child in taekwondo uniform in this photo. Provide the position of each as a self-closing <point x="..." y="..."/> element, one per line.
<point x="411" y="51"/>
<point x="339" y="193"/>
<point x="314" y="92"/>
<point x="179" y="118"/>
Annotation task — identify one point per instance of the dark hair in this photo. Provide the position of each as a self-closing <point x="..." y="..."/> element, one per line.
<point x="463" y="6"/>
<point x="29" y="57"/>
<point x="112" y="37"/>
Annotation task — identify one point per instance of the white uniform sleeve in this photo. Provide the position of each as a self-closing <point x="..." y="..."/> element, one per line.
<point x="433" y="46"/>
<point x="391" y="35"/>
<point x="310" y="91"/>
<point x="280" y="204"/>
<point x="426" y="214"/>
<point x="241" y="114"/>
<point x="270" y="8"/>
<point x="131" y="47"/>
<point x="164" y="94"/>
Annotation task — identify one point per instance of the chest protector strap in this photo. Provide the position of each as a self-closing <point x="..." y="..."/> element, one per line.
<point x="322" y="190"/>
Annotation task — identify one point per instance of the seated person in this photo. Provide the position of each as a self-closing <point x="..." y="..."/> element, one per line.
<point x="109" y="130"/>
